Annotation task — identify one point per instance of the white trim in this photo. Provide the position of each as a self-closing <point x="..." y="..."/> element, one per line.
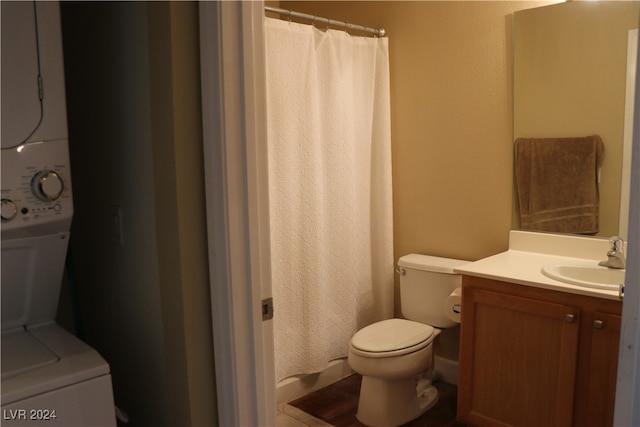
<point x="254" y="72"/>
<point x="233" y="105"/>
<point x="627" y="412"/>
<point x="632" y="54"/>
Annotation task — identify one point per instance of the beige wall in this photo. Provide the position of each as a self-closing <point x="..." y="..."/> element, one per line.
<point x="180" y="210"/>
<point x="451" y="112"/>
<point x="133" y="94"/>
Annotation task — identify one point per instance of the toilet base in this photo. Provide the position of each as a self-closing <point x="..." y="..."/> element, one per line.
<point x="385" y="403"/>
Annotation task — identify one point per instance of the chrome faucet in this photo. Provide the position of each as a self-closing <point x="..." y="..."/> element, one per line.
<point x="615" y="257"/>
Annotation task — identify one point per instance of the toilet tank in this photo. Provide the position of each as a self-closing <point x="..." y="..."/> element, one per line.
<point x="425" y="283"/>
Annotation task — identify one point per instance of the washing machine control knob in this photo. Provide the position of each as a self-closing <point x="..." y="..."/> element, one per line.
<point x="47" y="185"/>
<point x="9" y="209"/>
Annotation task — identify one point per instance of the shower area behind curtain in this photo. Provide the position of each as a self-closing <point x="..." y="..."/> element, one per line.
<point x="330" y="190"/>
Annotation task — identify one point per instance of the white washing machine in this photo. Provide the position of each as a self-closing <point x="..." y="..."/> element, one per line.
<point x="49" y="377"/>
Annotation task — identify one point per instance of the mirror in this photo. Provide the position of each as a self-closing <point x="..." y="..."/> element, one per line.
<point x="570" y="80"/>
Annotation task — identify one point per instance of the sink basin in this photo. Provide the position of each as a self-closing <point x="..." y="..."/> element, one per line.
<point x="587" y="275"/>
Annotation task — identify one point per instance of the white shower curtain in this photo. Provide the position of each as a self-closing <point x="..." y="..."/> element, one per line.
<point x="330" y="190"/>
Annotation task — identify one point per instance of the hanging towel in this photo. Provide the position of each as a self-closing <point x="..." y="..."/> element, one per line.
<point x="557" y="183"/>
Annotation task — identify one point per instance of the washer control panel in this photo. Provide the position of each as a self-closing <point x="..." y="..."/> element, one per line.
<point x="36" y="189"/>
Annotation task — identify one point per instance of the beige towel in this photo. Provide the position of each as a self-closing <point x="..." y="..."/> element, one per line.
<point x="557" y="183"/>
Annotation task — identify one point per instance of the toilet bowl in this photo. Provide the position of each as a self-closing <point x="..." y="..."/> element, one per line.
<point x="391" y="355"/>
<point x="395" y="356"/>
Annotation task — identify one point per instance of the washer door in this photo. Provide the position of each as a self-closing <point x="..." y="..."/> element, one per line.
<point x="21" y="108"/>
<point x="33" y="94"/>
<point x="21" y="352"/>
<point x="32" y="270"/>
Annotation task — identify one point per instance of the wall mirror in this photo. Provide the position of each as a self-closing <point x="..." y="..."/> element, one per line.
<point x="572" y="63"/>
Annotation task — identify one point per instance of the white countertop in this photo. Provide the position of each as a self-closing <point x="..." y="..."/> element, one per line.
<point x="522" y="263"/>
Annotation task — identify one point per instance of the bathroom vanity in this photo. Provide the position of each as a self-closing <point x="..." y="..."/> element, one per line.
<point x="536" y="351"/>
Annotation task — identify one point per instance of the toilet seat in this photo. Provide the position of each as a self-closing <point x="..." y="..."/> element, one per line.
<point x="392" y="337"/>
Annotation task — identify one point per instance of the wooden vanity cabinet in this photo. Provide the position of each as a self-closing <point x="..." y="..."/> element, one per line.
<point x="536" y="357"/>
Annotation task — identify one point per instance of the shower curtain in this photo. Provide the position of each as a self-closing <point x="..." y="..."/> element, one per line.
<point x="329" y="190"/>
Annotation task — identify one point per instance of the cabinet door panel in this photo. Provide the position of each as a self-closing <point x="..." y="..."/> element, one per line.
<point x="603" y="366"/>
<point x="522" y="360"/>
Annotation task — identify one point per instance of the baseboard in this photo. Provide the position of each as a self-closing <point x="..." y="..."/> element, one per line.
<point x="300" y="385"/>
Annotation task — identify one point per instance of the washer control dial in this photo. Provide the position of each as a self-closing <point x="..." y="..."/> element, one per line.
<point x="47" y="185"/>
<point x="9" y="209"/>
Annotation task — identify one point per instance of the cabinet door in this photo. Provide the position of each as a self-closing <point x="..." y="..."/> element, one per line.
<point x="517" y="360"/>
<point x="603" y="367"/>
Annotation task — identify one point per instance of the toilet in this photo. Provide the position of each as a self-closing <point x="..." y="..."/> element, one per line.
<point x="395" y="356"/>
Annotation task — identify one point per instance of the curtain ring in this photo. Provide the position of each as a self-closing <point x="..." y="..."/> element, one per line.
<point x="289" y="15"/>
<point x="328" y="24"/>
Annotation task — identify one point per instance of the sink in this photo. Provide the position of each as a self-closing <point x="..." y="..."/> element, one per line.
<point x="587" y="275"/>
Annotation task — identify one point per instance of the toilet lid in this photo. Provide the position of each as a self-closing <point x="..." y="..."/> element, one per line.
<point x="391" y="335"/>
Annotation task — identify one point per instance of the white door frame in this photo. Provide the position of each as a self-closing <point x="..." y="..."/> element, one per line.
<point x="627" y="412"/>
<point x="236" y="174"/>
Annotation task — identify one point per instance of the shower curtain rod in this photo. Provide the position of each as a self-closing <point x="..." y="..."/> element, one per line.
<point x="378" y="32"/>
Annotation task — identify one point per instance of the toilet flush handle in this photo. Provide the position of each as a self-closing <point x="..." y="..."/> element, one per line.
<point x="401" y="271"/>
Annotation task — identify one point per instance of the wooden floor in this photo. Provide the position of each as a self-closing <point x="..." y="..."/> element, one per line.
<point x="337" y="405"/>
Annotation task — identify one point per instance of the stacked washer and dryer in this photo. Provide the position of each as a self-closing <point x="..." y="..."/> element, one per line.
<point x="49" y="377"/>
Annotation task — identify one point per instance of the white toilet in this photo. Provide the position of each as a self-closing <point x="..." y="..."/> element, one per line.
<point x="395" y="356"/>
